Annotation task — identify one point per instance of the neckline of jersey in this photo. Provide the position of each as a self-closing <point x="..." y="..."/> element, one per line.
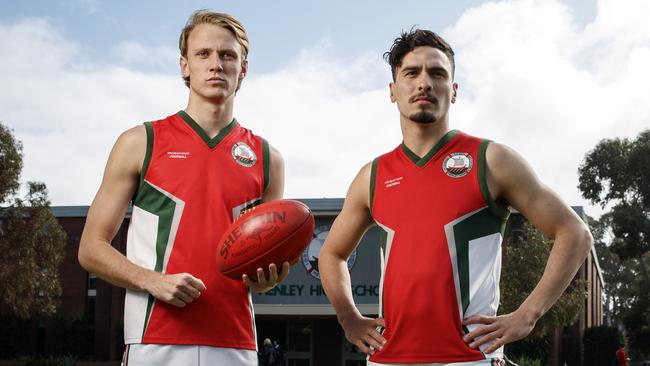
<point x="422" y="161"/>
<point x="211" y="142"/>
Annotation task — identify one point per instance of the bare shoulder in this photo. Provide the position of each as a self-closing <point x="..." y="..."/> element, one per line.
<point x="511" y="178"/>
<point x="359" y="192"/>
<point x="365" y="171"/>
<point x="363" y="177"/>
<point x="275" y="154"/>
<point x="130" y="149"/>
<point x="354" y="218"/>
<point x="506" y="168"/>
<point x="135" y="138"/>
<point x="500" y="153"/>
<point x="120" y="180"/>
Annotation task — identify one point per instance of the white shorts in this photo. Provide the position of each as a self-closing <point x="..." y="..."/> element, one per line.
<point x="489" y="362"/>
<point x="174" y="355"/>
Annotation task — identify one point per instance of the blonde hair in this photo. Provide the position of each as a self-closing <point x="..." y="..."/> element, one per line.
<point x="223" y="20"/>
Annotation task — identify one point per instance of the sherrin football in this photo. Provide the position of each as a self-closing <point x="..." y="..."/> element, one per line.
<point x="273" y="232"/>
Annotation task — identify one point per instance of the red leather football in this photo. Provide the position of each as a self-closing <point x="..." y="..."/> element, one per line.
<point x="273" y="232"/>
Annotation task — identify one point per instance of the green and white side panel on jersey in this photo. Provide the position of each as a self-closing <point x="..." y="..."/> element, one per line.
<point x="386" y="236"/>
<point x="154" y="222"/>
<point x="239" y="209"/>
<point x="474" y="242"/>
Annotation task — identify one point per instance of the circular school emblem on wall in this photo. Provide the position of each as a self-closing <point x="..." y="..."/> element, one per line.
<point x="457" y="164"/>
<point x="243" y="154"/>
<point x="312" y="253"/>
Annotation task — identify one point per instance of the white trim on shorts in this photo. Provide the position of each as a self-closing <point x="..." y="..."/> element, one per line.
<point x="174" y="355"/>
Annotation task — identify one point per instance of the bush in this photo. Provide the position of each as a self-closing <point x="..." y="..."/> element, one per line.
<point x="51" y="361"/>
<point x="56" y="337"/>
<point x="525" y="361"/>
<point x="600" y="345"/>
<point x="70" y="336"/>
<point x="531" y="348"/>
<point x="17" y="336"/>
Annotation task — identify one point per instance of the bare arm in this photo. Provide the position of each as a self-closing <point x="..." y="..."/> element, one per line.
<point x="105" y="216"/>
<point x="343" y="238"/>
<point x="274" y="191"/>
<point x="512" y="179"/>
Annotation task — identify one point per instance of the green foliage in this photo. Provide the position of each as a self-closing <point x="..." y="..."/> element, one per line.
<point x="617" y="171"/>
<point x="70" y="336"/>
<point x="530" y="349"/>
<point x="627" y="289"/>
<point x="526" y="361"/>
<point x="619" y="275"/>
<point x="600" y="345"/>
<point x="32" y="244"/>
<point x="67" y="360"/>
<point x="11" y="163"/>
<point x="63" y="336"/>
<point x="525" y="258"/>
<point x="637" y="317"/>
<point x="16" y="336"/>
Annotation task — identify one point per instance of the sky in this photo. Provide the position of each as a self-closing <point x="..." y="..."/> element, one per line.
<point x="549" y="78"/>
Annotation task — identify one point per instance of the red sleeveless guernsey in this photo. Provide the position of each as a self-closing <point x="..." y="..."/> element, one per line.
<point x="441" y="238"/>
<point x="191" y="188"/>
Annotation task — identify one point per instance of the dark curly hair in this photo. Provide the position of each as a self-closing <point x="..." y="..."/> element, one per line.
<point x="407" y="41"/>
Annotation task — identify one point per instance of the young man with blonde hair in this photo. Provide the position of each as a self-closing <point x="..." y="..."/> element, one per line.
<point x="440" y="201"/>
<point x="188" y="176"/>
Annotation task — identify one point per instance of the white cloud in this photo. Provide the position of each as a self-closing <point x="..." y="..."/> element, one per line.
<point x="136" y="55"/>
<point x="530" y="78"/>
<point x="68" y="114"/>
<point x="326" y="115"/>
<point x="534" y="81"/>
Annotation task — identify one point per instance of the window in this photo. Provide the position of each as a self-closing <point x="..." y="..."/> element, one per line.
<point x="91" y="296"/>
<point x="351" y="355"/>
<point x="299" y="342"/>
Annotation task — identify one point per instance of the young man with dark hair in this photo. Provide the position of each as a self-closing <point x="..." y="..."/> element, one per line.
<point x="188" y="176"/>
<point x="441" y="200"/>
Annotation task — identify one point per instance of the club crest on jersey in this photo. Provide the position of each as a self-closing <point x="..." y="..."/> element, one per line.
<point x="457" y="164"/>
<point x="243" y="154"/>
<point x="312" y="253"/>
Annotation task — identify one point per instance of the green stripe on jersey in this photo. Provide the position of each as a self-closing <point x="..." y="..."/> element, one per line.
<point x="420" y="162"/>
<point x="383" y="236"/>
<point x="266" y="156"/>
<point x="373" y="178"/>
<point x="497" y="209"/>
<point x="211" y="142"/>
<point x="147" y="156"/>
<point x="386" y="236"/>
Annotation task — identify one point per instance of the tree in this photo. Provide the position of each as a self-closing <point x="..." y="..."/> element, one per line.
<point x="600" y="345"/>
<point x="525" y="257"/>
<point x="32" y="242"/>
<point x="619" y="275"/>
<point x="616" y="173"/>
<point x="11" y="163"/>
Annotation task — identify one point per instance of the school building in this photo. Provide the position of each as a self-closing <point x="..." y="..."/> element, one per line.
<point x="296" y="313"/>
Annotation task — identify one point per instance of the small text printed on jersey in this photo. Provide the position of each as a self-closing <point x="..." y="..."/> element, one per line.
<point x="178" y="154"/>
<point x="393" y="182"/>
